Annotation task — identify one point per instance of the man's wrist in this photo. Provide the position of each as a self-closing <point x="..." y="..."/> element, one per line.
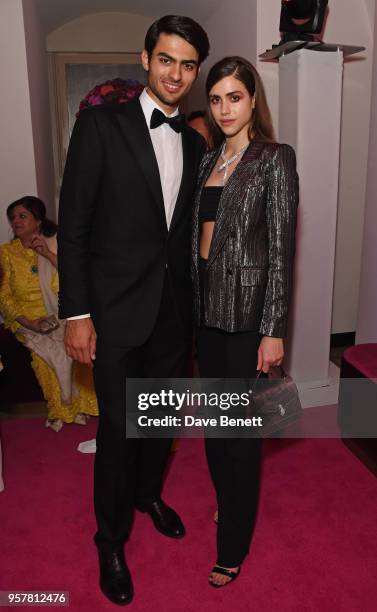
<point x="78" y="317"/>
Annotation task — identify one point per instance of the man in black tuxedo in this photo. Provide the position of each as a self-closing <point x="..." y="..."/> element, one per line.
<point x="124" y="245"/>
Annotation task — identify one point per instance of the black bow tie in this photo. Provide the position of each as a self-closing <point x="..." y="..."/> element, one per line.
<point x="158" y="118"/>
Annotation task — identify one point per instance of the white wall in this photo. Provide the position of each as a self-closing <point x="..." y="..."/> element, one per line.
<point x="40" y="105"/>
<point x="232" y="30"/>
<point x="117" y="32"/>
<point x="348" y="22"/>
<point x="17" y="165"/>
<point x="268" y="34"/>
<point x="355" y="29"/>
<point x="366" y="330"/>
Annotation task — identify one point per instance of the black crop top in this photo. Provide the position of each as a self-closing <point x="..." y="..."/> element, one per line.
<point x="209" y="203"/>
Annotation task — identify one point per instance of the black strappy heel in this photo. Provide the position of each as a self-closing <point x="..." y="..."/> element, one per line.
<point x="225" y="572"/>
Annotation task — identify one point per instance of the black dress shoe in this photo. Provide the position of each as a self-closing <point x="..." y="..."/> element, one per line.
<point x="165" y="519"/>
<point x="115" y="578"/>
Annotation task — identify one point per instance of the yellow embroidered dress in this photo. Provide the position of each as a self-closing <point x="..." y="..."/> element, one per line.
<point x="20" y="295"/>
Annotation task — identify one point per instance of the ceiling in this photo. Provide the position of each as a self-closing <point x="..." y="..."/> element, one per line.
<point x="55" y="13"/>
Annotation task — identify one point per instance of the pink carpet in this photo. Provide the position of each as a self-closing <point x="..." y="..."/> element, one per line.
<point x="315" y="546"/>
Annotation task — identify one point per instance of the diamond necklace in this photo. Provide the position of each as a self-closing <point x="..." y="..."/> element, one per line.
<point x="227" y="162"/>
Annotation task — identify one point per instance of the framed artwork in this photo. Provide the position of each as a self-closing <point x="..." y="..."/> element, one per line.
<point x="72" y="77"/>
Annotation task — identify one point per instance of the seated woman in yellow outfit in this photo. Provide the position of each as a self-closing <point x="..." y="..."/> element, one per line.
<point x="28" y="304"/>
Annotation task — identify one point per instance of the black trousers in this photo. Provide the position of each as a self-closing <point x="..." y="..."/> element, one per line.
<point x="234" y="463"/>
<point x="129" y="472"/>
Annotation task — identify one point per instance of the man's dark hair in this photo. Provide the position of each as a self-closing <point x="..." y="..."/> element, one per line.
<point x="185" y="27"/>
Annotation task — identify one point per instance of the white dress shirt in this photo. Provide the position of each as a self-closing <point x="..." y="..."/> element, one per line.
<point x="167" y="145"/>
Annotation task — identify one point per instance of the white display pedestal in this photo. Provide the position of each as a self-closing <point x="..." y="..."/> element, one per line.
<point x="310" y="100"/>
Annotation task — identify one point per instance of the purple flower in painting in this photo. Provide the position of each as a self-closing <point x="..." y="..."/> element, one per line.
<point x="95" y="100"/>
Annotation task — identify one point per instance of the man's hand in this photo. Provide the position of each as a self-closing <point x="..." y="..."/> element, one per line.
<point x="270" y="353"/>
<point x="80" y="340"/>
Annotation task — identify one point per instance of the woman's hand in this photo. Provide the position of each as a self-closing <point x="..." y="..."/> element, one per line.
<point x="32" y="324"/>
<point x="39" y="245"/>
<point x="270" y="353"/>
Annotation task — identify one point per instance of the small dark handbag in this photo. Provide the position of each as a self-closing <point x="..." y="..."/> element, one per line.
<point x="48" y="324"/>
<point x="275" y="398"/>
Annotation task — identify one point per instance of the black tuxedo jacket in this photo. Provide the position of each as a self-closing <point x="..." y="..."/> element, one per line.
<point x="113" y="242"/>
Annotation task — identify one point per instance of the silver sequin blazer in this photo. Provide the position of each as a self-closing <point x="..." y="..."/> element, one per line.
<point x="249" y="269"/>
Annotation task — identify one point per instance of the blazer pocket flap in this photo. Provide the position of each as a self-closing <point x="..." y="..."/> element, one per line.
<point x="253" y="276"/>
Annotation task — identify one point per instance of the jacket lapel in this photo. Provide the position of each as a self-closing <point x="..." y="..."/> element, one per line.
<point x="137" y="138"/>
<point x="232" y="197"/>
<point x="204" y="173"/>
<point x="188" y="177"/>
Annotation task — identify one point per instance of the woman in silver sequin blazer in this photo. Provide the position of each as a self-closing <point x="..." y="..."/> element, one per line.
<point x="243" y="248"/>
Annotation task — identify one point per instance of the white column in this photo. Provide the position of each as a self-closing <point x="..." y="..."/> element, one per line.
<point x="310" y="100"/>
